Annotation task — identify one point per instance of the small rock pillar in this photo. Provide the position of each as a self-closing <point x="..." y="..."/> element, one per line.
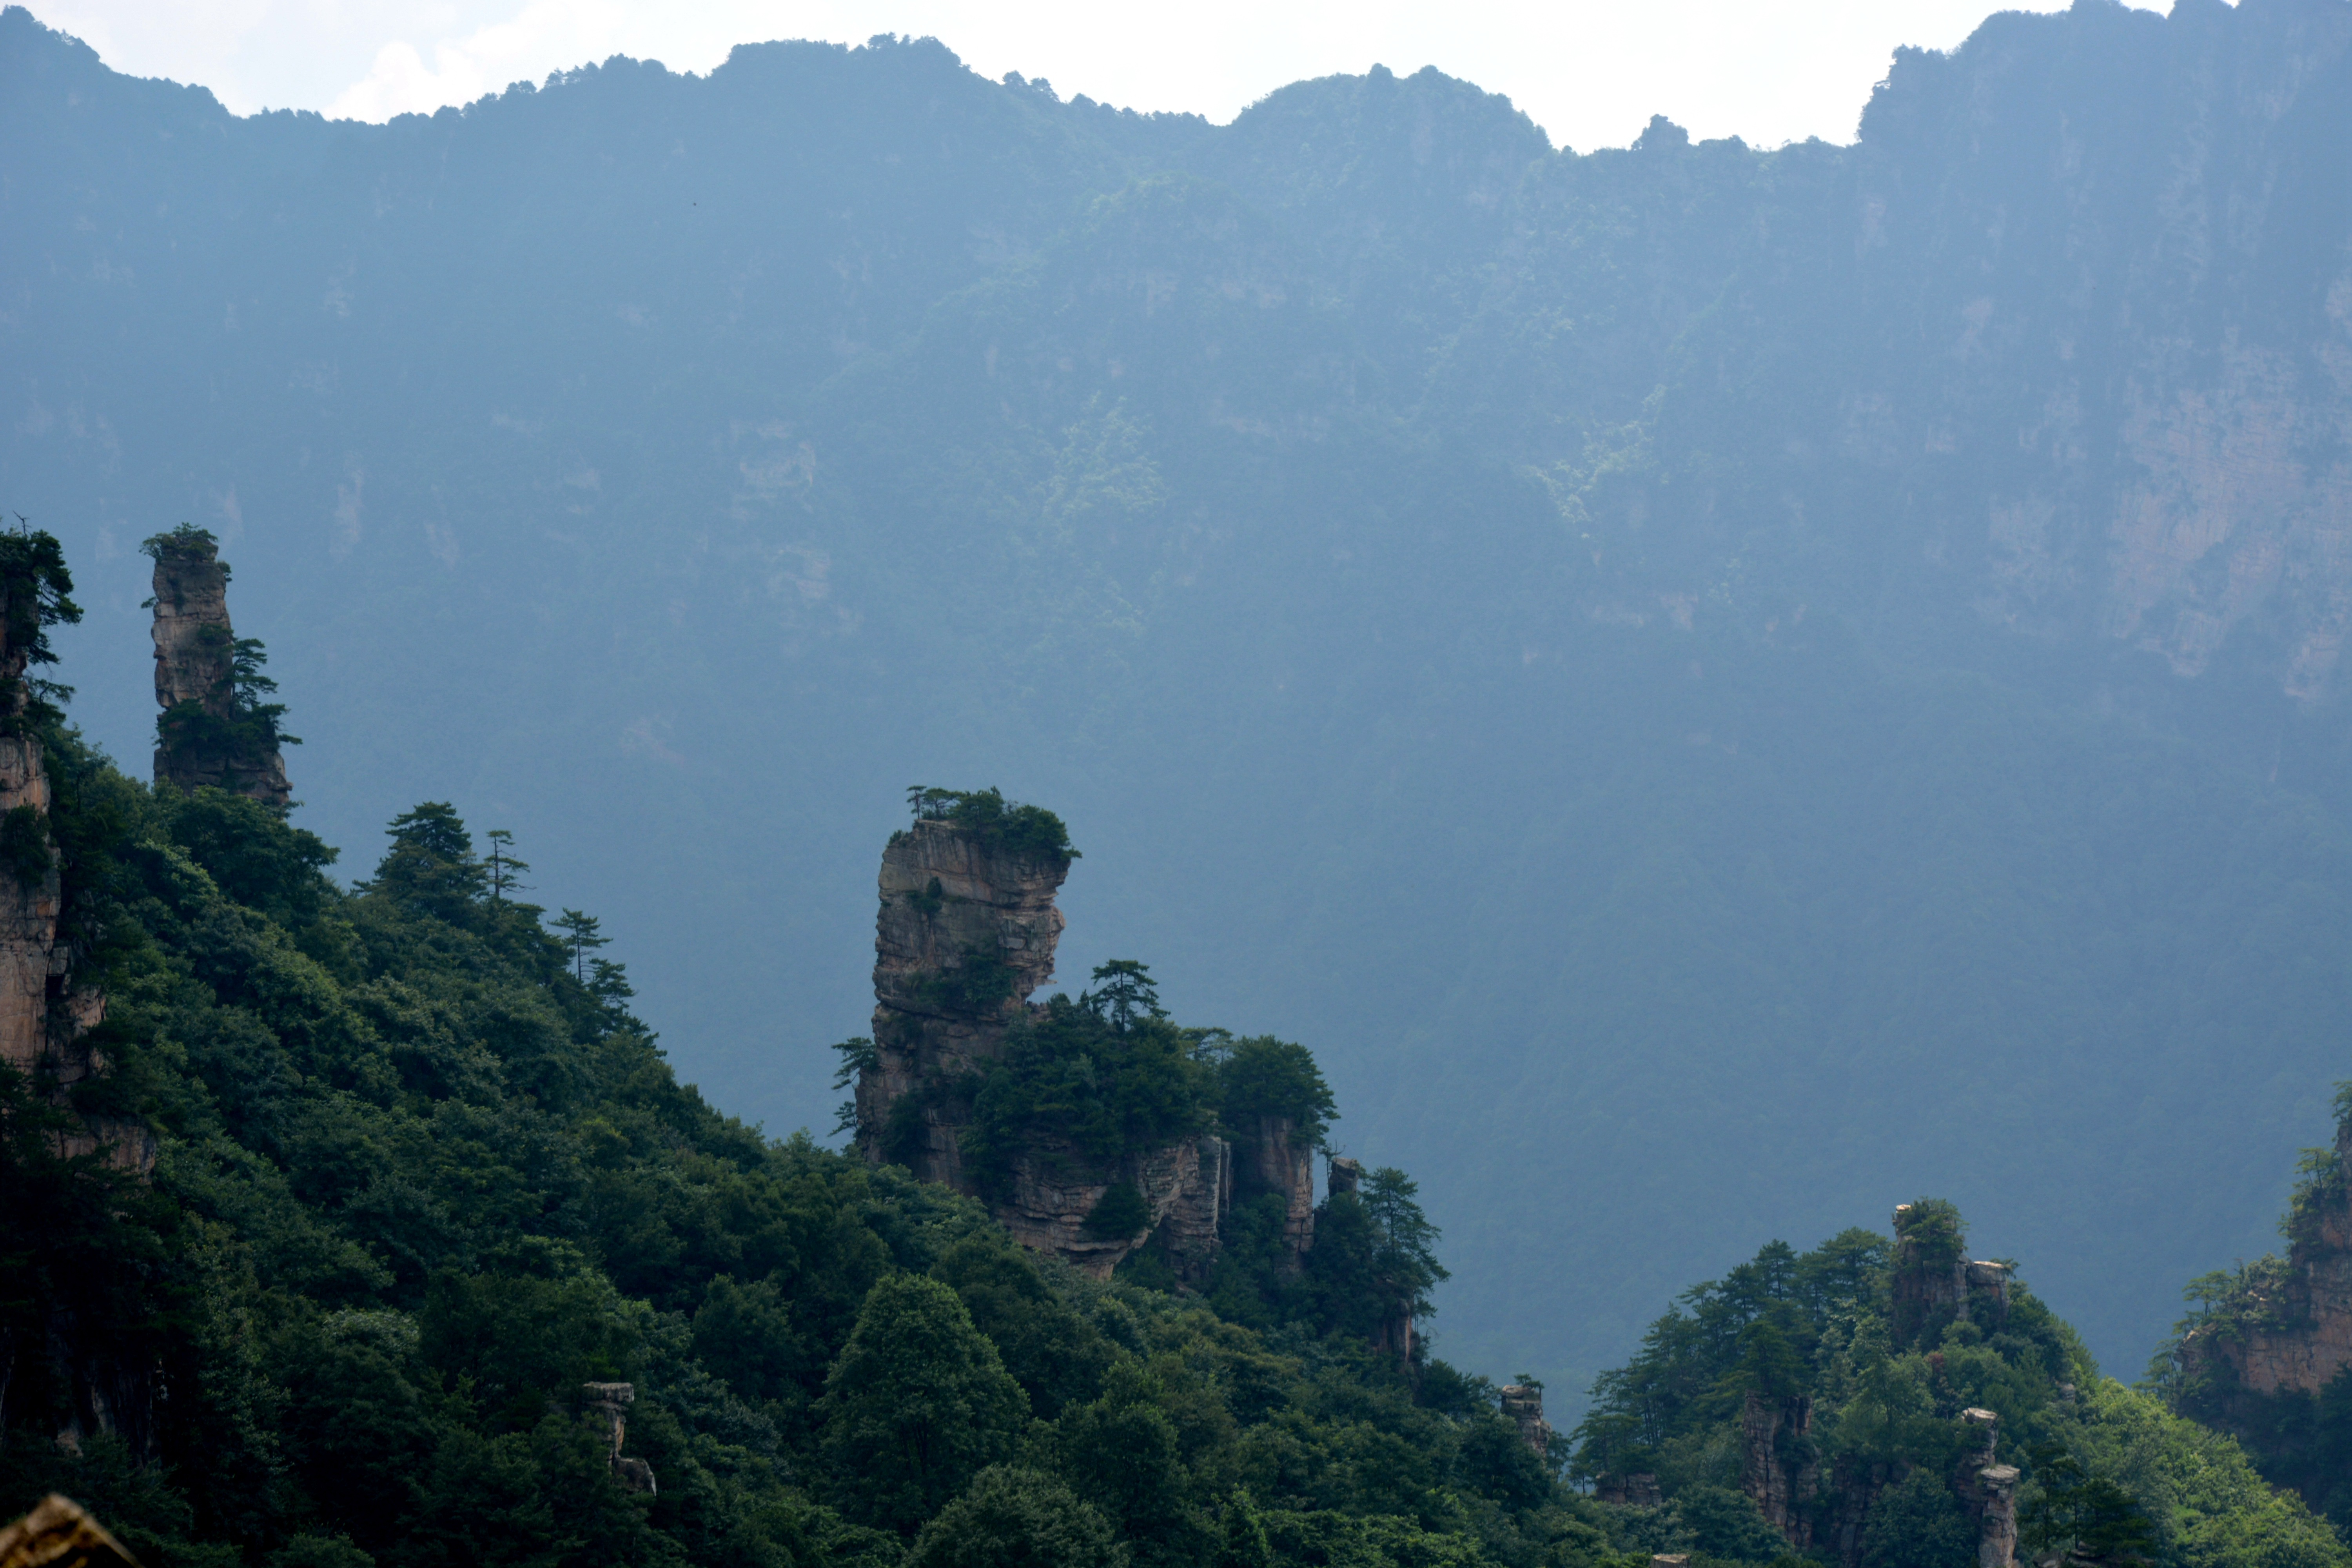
<point x="1989" y="1491"/>
<point x="607" y="1403"/>
<point x="1523" y="1407"/>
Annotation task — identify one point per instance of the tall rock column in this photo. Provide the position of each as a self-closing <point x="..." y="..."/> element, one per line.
<point x="207" y="734"/>
<point x="967" y="931"/>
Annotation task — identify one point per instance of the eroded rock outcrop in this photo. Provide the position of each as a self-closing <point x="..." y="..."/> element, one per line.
<point x="1522" y="1407"/>
<point x="1187" y="1187"/>
<point x="1935" y="1283"/>
<point x="1987" y="1489"/>
<point x="43" y="1015"/>
<point x="967" y="930"/>
<point x="209" y="733"/>
<point x="1273" y="1158"/>
<point x="1637" y="1489"/>
<point x="46" y="1017"/>
<point x="607" y="1404"/>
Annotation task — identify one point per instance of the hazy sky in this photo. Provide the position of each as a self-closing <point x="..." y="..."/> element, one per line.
<point x="1591" y="73"/>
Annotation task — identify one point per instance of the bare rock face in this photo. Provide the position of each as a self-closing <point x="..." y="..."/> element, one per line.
<point x="43" y="1014"/>
<point x="1273" y="1160"/>
<point x="1186" y="1185"/>
<point x="966" y="932"/>
<point x="1934" y="1284"/>
<point x="45" y="1021"/>
<point x="195" y="679"/>
<point x="1778" y="1464"/>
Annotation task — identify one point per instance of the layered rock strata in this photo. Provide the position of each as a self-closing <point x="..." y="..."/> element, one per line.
<point x="205" y="739"/>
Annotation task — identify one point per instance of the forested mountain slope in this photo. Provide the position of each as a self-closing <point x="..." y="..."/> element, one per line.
<point x="345" y="1227"/>
<point x="1706" y="682"/>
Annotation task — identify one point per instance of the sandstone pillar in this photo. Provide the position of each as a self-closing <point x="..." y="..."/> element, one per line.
<point x="205" y="736"/>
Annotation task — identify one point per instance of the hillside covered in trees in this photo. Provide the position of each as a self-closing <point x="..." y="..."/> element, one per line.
<point x="1889" y="1404"/>
<point x="1642" y="656"/>
<point x="370" y="1224"/>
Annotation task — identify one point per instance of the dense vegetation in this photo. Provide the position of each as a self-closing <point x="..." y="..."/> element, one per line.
<point x="2109" y="1475"/>
<point x="422" y="1174"/>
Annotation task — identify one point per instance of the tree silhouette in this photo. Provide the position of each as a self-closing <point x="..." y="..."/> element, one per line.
<point x="1125" y="994"/>
<point x="579" y="940"/>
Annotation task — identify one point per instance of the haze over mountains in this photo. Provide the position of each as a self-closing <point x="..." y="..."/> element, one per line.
<point x="1718" y="690"/>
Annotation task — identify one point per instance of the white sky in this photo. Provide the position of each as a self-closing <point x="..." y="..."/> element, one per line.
<point x="1591" y="73"/>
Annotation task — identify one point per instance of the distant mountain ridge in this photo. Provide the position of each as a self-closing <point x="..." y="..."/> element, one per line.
<point x="1704" y="683"/>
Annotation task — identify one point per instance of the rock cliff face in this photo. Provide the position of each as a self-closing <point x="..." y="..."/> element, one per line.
<point x="1273" y="1160"/>
<point x="1188" y="1185"/>
<point x="43" y="1014"/>
<point x="966" y="930"/>
<point x="2159" y="451"/>
<point x="203" y="739"/>
<point x="45" y="1020"/>
<point x="1935" y="1285"/>
<point x="2294" y="1334"/>
<point x="1778" y="1467"/>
